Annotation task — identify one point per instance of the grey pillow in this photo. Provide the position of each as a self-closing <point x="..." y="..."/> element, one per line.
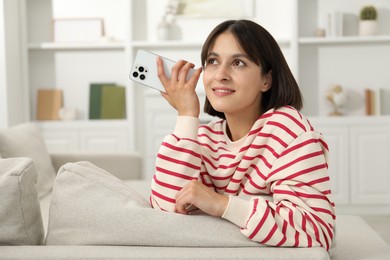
<point x="20" y="212"/>
<point x="25" y="140"/>
<point x="89" y="206"/>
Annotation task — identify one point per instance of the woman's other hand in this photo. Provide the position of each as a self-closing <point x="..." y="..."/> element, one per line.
<point x="196" y="194"/>
<point x="180" y="92"/>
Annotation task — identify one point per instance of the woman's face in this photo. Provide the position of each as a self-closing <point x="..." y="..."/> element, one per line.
<point x="233" y="83"/>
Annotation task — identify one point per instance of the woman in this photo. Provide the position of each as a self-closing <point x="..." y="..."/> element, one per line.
<point x="261" y="145"/>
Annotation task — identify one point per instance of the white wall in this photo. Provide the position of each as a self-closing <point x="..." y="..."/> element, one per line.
<point x="3" y="74"/>
<point x="11" y="87"/>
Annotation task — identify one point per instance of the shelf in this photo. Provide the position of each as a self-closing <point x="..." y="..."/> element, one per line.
<point x="80" y="123"/>
<point x="167" y="44"/>
<point x="76" y="46"/>
<point x="185" y="44"/>
<point x="345" y="40"/>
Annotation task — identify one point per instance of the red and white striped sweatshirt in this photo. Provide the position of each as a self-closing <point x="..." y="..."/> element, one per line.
<point x="282" y="156"/>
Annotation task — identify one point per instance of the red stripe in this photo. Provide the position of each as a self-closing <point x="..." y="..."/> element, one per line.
<point x="309" y="241"/>
<point x="209" y="129"/>
<point x="284" y="228"/>
<point x="166" y="185"/>
<point x="221" y="166"/>
<point x="258" y="147"/>
<point x="155" y="193"/>
<point x="262" y="176"/>
<point x="296" y="244"/>
<point x="255" y="131"/>
<point x="260" y="224"/>
<point x="292" y="118"/>
<point x="311" y="183"/>
<point x="316" y="232"/>
<point x="270" y="234"/>
<point x="326" y="211"/>
<point x="175" y="161"/>
<point x="175" y="174"/>
<point x="214" y="150"/>
<point x="224" y="155"/>
<point x="321" y="221"/>
<point x="182" y="150"/>
<point x="300" y="194"/>
<point x="272" y="136"/>
<point x="299" y="145"/>
<point x="283" y="127"/>
<point x="312" y="169"/>
<point x="212" y="140"/>
<point x="299" y="159"/>
<point x="255" y="203"/>
<point x="259" y="156"/>
<point x="254" y="184"/>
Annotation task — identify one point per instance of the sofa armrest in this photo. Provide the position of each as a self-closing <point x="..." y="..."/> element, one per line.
<point x="125" y="166"/>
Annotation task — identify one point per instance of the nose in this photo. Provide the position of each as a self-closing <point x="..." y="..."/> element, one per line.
<point x="222" y="73"/>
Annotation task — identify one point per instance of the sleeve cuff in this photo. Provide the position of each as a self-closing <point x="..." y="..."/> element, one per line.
<point x="187" y="127"/>
<point x="238" y="211"/>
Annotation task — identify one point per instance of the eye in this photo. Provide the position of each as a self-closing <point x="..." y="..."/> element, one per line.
<point x="238" y="63"/>
<point x="211" y="61"/>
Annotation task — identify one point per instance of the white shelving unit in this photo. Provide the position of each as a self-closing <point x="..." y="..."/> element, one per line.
<point x="352" y="61"/>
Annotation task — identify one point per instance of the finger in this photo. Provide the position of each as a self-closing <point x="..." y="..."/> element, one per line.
<point x="176" y="69"/>
<point x="161" y="73"/>
<point x="184" y="71"/>
<point x="195" y="77"/>
<point x="182" y="201"/>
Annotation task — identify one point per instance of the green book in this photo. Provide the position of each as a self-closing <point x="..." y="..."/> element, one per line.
<point x="95" y="99"/>
<point x="113" y="102"/>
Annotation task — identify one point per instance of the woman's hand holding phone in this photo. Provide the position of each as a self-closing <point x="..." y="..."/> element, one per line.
<point x="180" y="92"/>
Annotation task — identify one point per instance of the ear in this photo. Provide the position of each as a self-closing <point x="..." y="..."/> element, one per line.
<point x="268" y="82"/>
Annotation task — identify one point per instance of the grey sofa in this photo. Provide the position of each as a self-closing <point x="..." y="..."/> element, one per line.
<point x="120" y="225"/>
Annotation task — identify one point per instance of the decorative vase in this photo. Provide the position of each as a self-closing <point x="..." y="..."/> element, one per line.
<point x="368" y="27"/>
<point x="163" y="30"/>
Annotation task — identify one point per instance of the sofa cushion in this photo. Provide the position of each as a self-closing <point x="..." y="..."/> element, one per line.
<point x="89" y="206"/>
<point x="25" y="140"/>
<point x="20" y="214"/>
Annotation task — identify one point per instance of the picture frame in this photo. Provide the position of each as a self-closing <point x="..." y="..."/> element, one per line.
<point x="216" y="8"/>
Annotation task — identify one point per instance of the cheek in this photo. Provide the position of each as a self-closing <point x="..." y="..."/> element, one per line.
<point x="207" y="77"/>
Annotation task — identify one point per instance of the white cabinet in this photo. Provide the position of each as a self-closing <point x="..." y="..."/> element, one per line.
<point x="359" y="164"/>
<point x="370" y="149"/>
<point x="337" y="140"/>
<point x="95" y="136"/>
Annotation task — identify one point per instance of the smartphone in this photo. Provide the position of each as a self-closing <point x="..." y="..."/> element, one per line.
<point x="144" y="70"/>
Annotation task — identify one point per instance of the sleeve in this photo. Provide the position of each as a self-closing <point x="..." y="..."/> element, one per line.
<point x="178" y="162"/>
<point x="300" y="212"/>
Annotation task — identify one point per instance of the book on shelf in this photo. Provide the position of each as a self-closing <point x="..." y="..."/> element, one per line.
<point x="49" y="103"/>
<point x="334" y="24"/>
<point x="107" y="101"/>
<point x="95" y="99"/>
<point x="375" y="101"/>
<point x="113" y="102"/>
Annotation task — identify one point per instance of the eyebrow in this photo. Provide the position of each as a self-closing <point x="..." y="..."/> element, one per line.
<point x="237" y="55"/>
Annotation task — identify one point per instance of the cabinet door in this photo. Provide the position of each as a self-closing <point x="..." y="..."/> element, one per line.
<point x="337" y="140"/>
<point x="103" y="140"/>
<point x="61" y="140"/>
<point x="370" y="165"/>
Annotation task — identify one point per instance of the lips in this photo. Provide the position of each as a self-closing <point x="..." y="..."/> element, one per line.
<point x="223" y="91"/>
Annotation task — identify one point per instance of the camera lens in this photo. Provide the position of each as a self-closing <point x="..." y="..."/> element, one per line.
<point x="135" y="74"/>
<point x="142" y="76"/>
<point x="141" y="69"/>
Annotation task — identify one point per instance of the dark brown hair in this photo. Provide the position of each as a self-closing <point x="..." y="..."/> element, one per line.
<point x="264" y="51"/>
